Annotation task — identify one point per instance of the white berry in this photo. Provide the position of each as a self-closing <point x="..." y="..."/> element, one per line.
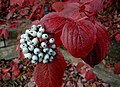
<point x="23" y="45"/>
<point x="33" y="61"/>
<point x="22" y="40"/>
<point x="52" y="40"/>
<point x="27" y="31"/>
<point x="22" y="36"/>
<point x="46" y="57"/>
<point x="39" y="34"/>
<point x="50" y="52"/>
<point x="39" y="26"/>
<point x="28" y="55"/>
<point x="29" y="42"/>
<point x="40" y="59"/>
<point x="34" y="57"/>
<point x="43" y="44"/>
<point x="41" y="29"/>
<point x="25" y="35"/>
<point x="36" y="50"/>
<point x="34" y="27"/>
<point x="53" y="46"/>
<point x="45" y="61"/>
<point x="27" y="38"/>
<point x="54" y="53"/>
<point x="31" y="47"/>
<point x="45" y="50"/>
<point x="25" y="50"/>
<point x="33" y="33"/>
<point x="51" y="58"/>
<point x="35" y="41"/>
<point x="40" y="55"/>
<point x="45" y="36"/>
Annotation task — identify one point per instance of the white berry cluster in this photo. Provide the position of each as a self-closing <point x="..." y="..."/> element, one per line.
<point x="37" y="45"/>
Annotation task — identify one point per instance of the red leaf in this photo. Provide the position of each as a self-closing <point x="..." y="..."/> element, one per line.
<point x="101" y="46"/>
<point x="117" y="68"/>
<point x="71" y="10"/>
<point x="117" y="37"/>
<point x="24" y="11"/>
<point x="4" y="33"/>
<point x="6" y="69"/>
<point x="14" y="65"/>
<point x="57" y="38"/>
<point x="96" y="5"/>
<point x="19" y="2"/>
<point x="16" y="72"/>
<point x="34" y="8"/>
<point x="53" y="22"/>
<point x="36" y="22"/>
<point x="51" y="74"/>
<point x="10" y="14"/>
<point x="6" y="76"/>
<point x="41" y="11"/>
<point x="89" y="75"/>
<point x="18" y="47"/>
<point x="58" y="6"/>
<point x="79" y="66"/>
<point x="78" y="37"/>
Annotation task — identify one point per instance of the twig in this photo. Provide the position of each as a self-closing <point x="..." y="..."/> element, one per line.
<point x="4" y="40"/>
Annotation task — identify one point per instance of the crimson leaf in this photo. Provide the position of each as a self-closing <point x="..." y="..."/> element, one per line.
<point x="71" y="10"/>
<point x="58" y="6"/>
<point x="51" y="74"/>
<point x="89" y="75"/>
<point x="117" y="68"/>
<point x="78" y="37"/>
<point x="96" y="5"/>
<point x="53" y="22"/>
<point x="117" y="37"/>
<point x="101" y="46"/>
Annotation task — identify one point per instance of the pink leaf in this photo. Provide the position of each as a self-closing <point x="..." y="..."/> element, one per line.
<point x="117" y="37"/>
<point x="101" y="46"/>
<point x="117" y="68"/>
<point x="19" y="2"/>
<point x="36" y="22"/>
<point x="6" y="76"/>
<point x="4" y="33"/>
<point x="10" y="14"/>
<point x="89" y="75"/>
<point x="58" y="6"/>
<point x="51" y="74"/>
<point x="96" y="5"/>
<point x="6" y="69"/>
<point x="78" y="37"/>
<point x="41" y="11"/>
<point x="16" y="72"/>
<point x="53" y="22"/>
<point x="71" y="10"/>
<point x="24" y="11"/>
<point x="79" y="66"/>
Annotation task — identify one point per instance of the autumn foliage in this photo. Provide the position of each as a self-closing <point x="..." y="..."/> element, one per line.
<point x="73" y="24"/>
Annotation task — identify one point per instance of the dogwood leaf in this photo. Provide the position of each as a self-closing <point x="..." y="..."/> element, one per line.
<point x="53" y="22"/>
<point x="51" y="74"/>
<point x="89" y="75"/>
<point x="78" y="37"/>
<point x="101" y="46"/>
